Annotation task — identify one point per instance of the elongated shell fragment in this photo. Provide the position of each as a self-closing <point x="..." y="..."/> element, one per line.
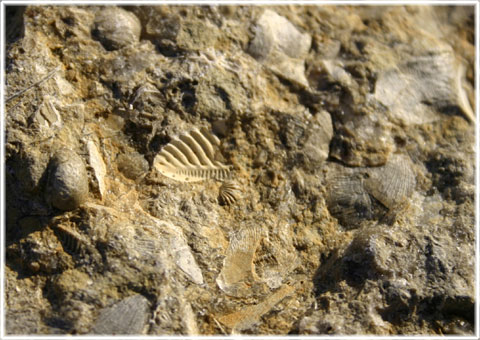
<point x="192" y="157"/>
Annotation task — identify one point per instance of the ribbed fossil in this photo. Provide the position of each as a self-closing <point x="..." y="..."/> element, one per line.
<point x="75" y="244"/>
<point x="377" y="193"/>
<point x="348" y="200"/>
<point x="228" y="193"/>
<point x="238" y="272"/>
<point x="71" y="240"/>
<point x="392" y="183"/>
<point x="192" y="157"/>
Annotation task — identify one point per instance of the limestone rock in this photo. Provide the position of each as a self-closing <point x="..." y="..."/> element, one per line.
<point x="346" y="134"/>
<point x="280" y="46"/>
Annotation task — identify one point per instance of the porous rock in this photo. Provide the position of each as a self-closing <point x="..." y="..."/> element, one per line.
<point x="346" y="130"/>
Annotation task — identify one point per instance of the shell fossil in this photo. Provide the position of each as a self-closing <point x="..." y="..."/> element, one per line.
<point x="116" y="28"/>
<point x="238" y="270"/>
<point x="228" y="193"/>
<point x="371" y="193"/>
<point x="71" y="240"/>
<point x="349" y="202"/>
<point x="67" y="180"/>
<point x="392" y="183"/>
<point x="192" y="157"/>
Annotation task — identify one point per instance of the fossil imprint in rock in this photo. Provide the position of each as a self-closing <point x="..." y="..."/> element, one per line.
<point x="192" y="157"/>
<point x="229" y="193"/>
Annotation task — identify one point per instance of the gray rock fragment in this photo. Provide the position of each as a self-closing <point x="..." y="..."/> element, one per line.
<point x="116" y="28"/>
<point x="423" y="86"/>
<point x="128" y="316"/>
<point x="67" y="180"/>
<point x="280" y="46"/>
<point x="316" y="147"/>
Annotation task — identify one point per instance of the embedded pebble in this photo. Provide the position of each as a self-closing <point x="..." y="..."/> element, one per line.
<point x="280" y="46"/>
<point x="116" y="28"/>
<point x="132" y="165"/>
<point x="67" y="180"/>
<point x="128" y="316"/>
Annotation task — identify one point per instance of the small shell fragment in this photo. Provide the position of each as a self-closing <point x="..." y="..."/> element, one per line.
<point x="228" y="193"/>
<point x="238" y="272"/>
<point x="98" y="166"/>
<point x="67" y="185"/>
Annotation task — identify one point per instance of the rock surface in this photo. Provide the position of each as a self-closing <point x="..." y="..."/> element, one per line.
<point x="348" y="132"/>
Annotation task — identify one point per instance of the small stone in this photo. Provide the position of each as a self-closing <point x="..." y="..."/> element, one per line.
<point x="67" y="180"/>
<point x="128" y="316"/>
<point x="280" y="46"/>
<point x="132" y="165"/>
<point x="116" y="28"/>
<point x="320" y="133"/>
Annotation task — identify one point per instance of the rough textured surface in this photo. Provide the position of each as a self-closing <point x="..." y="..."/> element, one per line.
<point x="349" y="135"/>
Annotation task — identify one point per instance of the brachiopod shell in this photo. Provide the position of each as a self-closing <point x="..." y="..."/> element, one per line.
<point x="228" y="193"/>
<point x="115" y="28"/>
<point x="392" y="183"/>
<point x="348" y="201"/>
<point x="67" y="180"/>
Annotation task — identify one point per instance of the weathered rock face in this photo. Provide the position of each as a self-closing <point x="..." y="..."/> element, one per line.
<point x="205" y="170"/>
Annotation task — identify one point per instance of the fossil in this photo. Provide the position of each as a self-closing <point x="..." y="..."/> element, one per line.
<point x="249" y="316"/>
<point x="376" y="193"/>
<point x="348" y="201"/>
<point x="228" y="193"/>
<point x="67" y="180"/>
<point x="238" y="270"/>
<point x="71" y="240"/>
<point x="75" y="244"/>
<point x="393" y="183"/>
<point x="128" y="316"/>
<point x="116" y="28"/>
<point x="192" y="157"/>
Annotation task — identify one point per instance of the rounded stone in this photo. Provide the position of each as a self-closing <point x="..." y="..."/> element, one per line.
<point x="132" y="165"/>
<point x="116" y="28"/>
<point x="67" y="180"/>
